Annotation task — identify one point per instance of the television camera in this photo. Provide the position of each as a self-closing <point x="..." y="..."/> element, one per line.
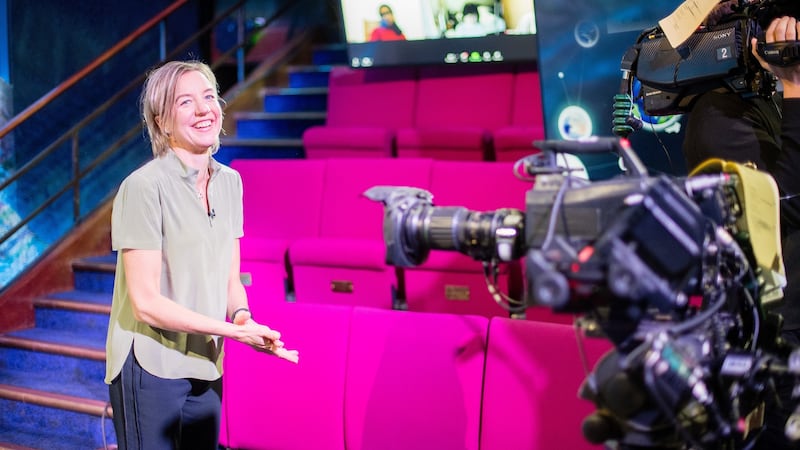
<point x="717" y="56"/>
<point x="665" y="268"/>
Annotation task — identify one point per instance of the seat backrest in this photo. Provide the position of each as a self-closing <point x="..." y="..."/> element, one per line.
<point x="477" y="185"/>
<point x="378" y="97"/>
<point x="346" y="212"/>
<point x="259" y="388"/>
<point x="526" y="106"/>
<point x="533" y="374"/>
<point x="282" y="197"/>
<point x="414" y="380"/>
<point x="453" y="96"/>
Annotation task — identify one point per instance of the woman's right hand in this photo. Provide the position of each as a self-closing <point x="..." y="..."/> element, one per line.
<point x="263" y="339"/>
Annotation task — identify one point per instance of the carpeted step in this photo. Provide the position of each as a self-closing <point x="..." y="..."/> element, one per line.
<point x="95" y="274"/>
<point x="90" y="301"/>
<point x="48" y="365"/>
<point x="52" y="393"/>
<point x="70" y="342"/>
<point x="75" y="310"/>
<point x="278" y="100"/>
<point x="262" y="125"/>
<point x="329" y="54"/>
<point x="308" y="76"/>
<point x="237" y="148"/>
<point x="64" y="360"/>
<point x="30" y="420"/>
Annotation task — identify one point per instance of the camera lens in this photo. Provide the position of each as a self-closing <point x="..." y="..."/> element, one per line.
<point x="481" y="235"/>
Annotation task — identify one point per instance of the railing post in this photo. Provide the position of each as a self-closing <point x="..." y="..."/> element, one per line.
<point x="162" y="40"/>
<point x="76" y="178"/>
<point x="240" y="32"/>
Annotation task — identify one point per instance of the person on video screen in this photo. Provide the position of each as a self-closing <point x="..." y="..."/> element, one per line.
<point x="388" y="29"/>
<point x="470" y="24"/>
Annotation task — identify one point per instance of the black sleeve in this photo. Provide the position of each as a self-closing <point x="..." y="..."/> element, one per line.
<point x="786" y="172"/>
<point x="786" y="169"/>
<point x="725" y="125"/>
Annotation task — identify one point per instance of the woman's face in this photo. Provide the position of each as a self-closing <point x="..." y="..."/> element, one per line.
<point x="196" y="112"/>
<point x="387" y="15"/>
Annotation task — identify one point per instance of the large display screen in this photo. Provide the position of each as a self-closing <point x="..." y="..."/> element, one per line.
<point x="580" y="47"/>
<point x="416" y="32"/>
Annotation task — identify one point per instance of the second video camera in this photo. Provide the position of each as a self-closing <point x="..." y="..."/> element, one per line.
<point x="717" y="56"/>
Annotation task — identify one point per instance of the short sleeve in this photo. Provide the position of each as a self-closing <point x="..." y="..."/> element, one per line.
<point x="238" y="214"/>
<point x="136" y="215"/>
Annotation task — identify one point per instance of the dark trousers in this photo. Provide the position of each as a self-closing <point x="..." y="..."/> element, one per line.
<point x="152" y="413"/>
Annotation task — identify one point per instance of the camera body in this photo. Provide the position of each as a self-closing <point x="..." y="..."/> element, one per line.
<point x="572" y="231"/>
<point x="715" y="57"/>
<point x="660" y="266"/>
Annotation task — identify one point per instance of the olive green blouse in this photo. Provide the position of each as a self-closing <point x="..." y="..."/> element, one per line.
<point x="157" y="208"/>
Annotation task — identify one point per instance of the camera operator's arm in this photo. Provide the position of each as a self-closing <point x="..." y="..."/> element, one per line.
<point x="787" y="163"/>
<point x="751" y="128"/>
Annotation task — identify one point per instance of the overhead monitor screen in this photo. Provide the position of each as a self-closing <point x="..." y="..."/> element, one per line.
<point x="424" y="32"/>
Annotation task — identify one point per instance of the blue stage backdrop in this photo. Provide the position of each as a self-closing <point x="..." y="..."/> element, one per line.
<point x="580" y="47"/>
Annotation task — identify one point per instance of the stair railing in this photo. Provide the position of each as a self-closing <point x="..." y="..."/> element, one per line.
<point x="73" y="134"/>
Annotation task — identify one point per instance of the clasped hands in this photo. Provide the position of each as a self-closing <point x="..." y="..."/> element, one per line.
<point x="264" y="339"/>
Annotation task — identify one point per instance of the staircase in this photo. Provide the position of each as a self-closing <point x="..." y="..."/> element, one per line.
<point x="274" y="129"/>
<point x="52" y="394"/>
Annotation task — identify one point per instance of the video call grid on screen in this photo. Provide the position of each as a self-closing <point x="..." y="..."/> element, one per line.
<point x="440" y="32"/>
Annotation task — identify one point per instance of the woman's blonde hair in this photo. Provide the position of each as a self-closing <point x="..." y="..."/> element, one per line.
<point x="157" y="98"/>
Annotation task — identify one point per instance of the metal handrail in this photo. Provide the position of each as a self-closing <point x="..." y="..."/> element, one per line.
<point x="135" y="84"/>
<point x="74" y="79"/>
<point x="73" y="133"/>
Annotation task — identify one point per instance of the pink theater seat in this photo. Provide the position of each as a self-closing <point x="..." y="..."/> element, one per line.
<point x="365" y="107"/>
<point x="414" y="380"/>
<point x="533" y="375"/>
<point x="282" y="201"/>
<point x="457" y="109"/>
<point x="515" y="140"/>
<point x="449" y="281"/>
<point x="346" y="264"/>
<point x="269" y="403"/>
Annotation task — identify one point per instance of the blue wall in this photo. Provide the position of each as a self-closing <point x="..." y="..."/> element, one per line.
<point x="4" y="40"/>
<point x="48" y="42"/>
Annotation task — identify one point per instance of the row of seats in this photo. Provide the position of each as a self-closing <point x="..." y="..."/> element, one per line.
<point x="440" y="112"/>
<point x="384" y="379"/>
<point x="312" y="236"/>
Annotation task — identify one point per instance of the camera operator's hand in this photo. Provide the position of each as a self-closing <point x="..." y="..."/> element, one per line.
<point x="782" y="29"/>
